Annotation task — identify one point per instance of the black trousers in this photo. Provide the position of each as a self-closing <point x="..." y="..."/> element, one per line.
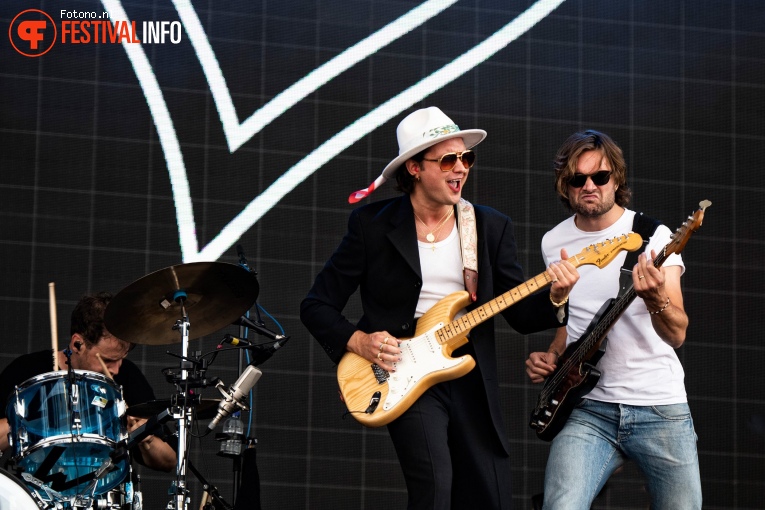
<point x="449" y="451"/>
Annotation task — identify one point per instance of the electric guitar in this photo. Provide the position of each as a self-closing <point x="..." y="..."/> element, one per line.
<point x="576" y="375"/>
<point x="375" y="397"/>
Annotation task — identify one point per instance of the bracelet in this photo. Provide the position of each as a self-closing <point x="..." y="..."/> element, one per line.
<point x="558" y="305"/>
<point x="557" y="356"/>
<point x="661" y="309"/>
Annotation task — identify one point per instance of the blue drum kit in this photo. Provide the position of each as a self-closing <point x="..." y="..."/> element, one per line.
<point x="65" y="428"/>
<point x="68" y="428"/>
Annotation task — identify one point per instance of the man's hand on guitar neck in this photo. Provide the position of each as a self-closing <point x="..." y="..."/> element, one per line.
<point x="541" y="364"/>
<point x="563" y="275"/>
<point x="663" y="297"/>
<point x="380" y="348"/>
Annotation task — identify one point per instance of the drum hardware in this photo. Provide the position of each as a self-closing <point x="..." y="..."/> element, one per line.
<point x="216" y="294"/>
<point x="211" y="490"/>
<point x="137" y="494"/>
<point x="138" y="434"/>
<point x="74" y="394"/>
<point x="204" y="408"/>
<point x="49" y="494"/>
<point x="195" y="368"/>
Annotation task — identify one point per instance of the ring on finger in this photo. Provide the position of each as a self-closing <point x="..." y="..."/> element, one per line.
<point x="555" y="280"/>
<point x="379" y="355"/>
<point x="641" y="277"/>
<point x="385" y="340"/>
<point x="381" y="347"/>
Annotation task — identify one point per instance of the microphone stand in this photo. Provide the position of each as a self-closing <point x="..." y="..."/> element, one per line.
<point x="236" y="460"/>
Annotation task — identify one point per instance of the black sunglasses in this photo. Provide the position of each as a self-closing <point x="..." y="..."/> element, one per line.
<point x="449" y="160"/>
<point x="599" y="178"/>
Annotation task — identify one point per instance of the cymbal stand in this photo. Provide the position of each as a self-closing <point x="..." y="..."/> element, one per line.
<point x="180" y="499"/>
<point x="210" y="489"/>
<point x="236" y="461"/>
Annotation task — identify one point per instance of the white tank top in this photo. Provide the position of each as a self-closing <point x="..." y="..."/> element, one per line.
<point x="441" y="271"/>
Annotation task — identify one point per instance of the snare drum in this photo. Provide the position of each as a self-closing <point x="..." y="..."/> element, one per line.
<point x="62" y="432"/>
<point x="14" y="495"/>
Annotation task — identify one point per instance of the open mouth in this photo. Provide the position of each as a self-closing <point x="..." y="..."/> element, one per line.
<point x="454" y="184"/>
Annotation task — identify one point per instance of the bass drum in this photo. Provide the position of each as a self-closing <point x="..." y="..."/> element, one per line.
<point x="14" y="495"/>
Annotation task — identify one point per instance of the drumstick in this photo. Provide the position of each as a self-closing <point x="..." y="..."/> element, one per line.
<point x="103" y="365"/>
<point x="106" y="370"/>
<point x="205" y="496"/>
<point x="53" y="323"/>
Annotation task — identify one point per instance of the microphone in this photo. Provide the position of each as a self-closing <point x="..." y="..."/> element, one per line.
<point x="235" y="341"/>
<point x="242" y="259"/>
<point x="260" y="352"/>
<point x="233" y="398"/>
<point x="257" y="328"/>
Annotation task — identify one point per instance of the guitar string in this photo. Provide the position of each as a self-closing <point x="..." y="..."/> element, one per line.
<point x="475" y="314"/>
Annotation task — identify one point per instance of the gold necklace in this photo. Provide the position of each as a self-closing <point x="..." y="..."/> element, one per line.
<point x="431" y="236"/>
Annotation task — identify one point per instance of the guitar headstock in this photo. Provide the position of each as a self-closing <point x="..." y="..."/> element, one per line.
<point x="600" y="254"/>
<point x="681" y="235"/>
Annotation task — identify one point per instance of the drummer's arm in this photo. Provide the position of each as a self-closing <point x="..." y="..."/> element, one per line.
<point x="155" y="452"/>
<point x="5" y="429"/>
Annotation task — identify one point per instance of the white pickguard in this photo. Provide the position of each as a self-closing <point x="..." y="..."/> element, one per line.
<point x="420" y="356"/>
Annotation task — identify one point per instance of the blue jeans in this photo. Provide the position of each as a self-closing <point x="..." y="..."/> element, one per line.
<point x="599" y="437"/>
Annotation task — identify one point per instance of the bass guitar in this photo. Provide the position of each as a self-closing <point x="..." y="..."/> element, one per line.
<point x="376" y="397"/>
<point x="576" y="375"/>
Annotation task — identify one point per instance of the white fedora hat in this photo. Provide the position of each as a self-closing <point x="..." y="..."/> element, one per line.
<point x="418" y="131"/>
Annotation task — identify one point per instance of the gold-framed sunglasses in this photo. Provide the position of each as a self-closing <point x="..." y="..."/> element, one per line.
<point x="448" y="161"/>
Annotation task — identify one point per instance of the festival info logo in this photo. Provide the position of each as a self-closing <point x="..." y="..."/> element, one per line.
<point x="32" y="33"/>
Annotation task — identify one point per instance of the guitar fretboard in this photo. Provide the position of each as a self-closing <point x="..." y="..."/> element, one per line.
<point x="597" y="254"/>
<point x="488" y="310"/>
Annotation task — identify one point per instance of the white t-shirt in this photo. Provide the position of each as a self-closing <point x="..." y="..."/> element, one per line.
<point x="638" y="367"/>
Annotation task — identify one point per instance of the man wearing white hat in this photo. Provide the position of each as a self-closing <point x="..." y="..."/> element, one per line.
<point x="404" y="255"/>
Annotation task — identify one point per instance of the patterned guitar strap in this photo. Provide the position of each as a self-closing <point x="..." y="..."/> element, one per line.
<point x="469" y="245"/>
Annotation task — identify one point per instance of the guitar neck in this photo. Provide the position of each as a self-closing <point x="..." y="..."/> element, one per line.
<point x="599" y="332"/>
<point x="459" y="327"/>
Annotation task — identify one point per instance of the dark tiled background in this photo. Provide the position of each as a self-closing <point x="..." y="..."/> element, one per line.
<point x="86" y="201"/>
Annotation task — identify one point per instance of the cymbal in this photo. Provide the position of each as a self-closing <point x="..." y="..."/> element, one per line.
<point x="205" y="409"/>
<point x="214" y="294"/>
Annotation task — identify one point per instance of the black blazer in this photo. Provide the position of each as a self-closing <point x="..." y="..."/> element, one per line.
<point x="379" y="256"/>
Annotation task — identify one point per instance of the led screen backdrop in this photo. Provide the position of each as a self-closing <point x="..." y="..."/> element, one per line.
<point x="250" y="123"/>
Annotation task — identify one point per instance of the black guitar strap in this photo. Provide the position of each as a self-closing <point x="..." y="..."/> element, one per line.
<point x="644" y="226"/>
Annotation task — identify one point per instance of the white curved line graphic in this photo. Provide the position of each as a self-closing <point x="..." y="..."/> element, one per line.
<point x="237" y="134"/>
<point x="184" y="210"/>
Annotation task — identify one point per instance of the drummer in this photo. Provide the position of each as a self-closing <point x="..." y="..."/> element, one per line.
<point x="89" y="340"/>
